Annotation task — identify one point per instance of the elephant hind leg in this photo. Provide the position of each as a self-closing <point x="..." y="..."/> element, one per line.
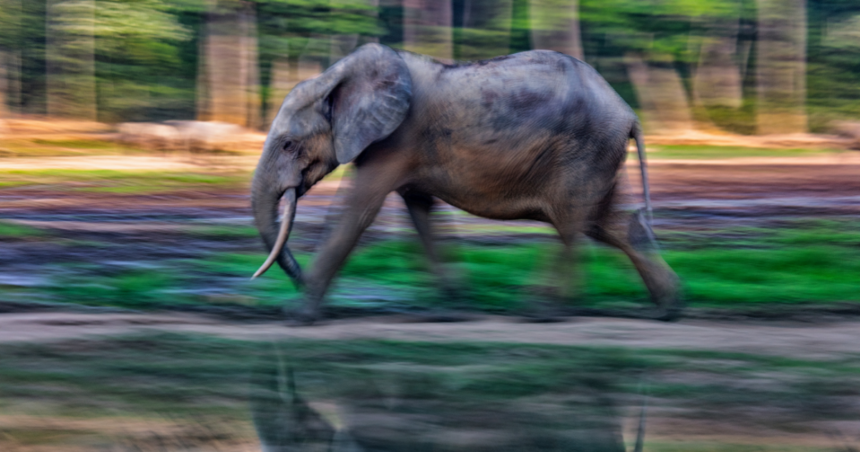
<point x="565" y="267"/>
<point x="420" y="205"/>
<point x="632" y="235"/>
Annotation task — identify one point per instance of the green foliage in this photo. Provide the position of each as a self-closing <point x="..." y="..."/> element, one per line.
<point x="833" y="89"/>
<point x="18" y="231"/>
<point x="147" y="52"/>
<point x="693" y="152"/>
<point x="114" y="181"/>
<point x="149" y="288"/>
<point x="800" y="262"/>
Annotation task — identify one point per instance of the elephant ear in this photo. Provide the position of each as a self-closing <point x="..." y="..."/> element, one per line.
<point x="370" y="96"/>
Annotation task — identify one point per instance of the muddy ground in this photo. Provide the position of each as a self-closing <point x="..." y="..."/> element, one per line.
<point x="135" y="230"/>
<point x="689" y="195"/>
<point x="714" y="386"/>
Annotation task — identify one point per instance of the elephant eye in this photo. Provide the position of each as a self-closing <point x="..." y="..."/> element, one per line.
<point x="288" y="145"/>
<point x="327" y="108"/>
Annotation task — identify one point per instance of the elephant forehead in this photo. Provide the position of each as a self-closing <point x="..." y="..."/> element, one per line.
<point x="297" y="122"/>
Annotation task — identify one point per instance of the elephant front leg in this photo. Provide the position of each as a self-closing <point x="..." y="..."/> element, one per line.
<point x="362" y="206"/>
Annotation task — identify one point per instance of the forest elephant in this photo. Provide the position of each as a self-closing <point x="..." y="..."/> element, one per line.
<point x="537" y="135"/>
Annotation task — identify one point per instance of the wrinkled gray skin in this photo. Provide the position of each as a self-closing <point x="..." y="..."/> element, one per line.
<point x="286" y="422"/>
<point x="537" y="135"/>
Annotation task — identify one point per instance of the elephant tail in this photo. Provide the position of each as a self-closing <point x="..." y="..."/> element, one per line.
<point x="636" y="134"/>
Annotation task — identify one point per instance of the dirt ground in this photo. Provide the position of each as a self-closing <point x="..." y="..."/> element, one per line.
<point x="787" y="339"/>
<point x="687" y="195"/>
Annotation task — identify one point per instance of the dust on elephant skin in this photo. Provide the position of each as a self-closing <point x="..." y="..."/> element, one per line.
<point x="537" y="135"/>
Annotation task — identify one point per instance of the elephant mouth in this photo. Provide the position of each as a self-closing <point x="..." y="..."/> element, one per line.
<point x="301" y="189"/>
<point x="280" y="252"/>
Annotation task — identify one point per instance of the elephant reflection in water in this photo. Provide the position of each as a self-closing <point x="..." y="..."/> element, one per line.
<point x="537" y="135"/>
<point x="583" y="420"/>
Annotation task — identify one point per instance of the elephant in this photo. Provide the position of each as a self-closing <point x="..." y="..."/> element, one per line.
<point x="536" y="135"/>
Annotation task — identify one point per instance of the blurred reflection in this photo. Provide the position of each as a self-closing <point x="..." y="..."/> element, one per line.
<point x="391" y="406"/>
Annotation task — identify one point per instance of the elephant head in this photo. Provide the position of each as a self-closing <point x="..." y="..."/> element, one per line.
<point x="325" y="122"/>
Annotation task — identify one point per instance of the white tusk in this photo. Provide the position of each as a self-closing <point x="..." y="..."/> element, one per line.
<point x="282" y="234"/>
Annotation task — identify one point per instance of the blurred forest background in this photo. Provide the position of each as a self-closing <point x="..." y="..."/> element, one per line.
<point x="741" y="66"/>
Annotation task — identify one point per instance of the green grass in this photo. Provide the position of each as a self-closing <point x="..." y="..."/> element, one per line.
<point x="18" y="231"/>
<point x="225" y="232"/>
<point x="63" y="148"/>
<point x="129" y="288"/>
<point x="800" y="262"/>
<point x="79" y="144"/>
<point x="121" y="182"/>
<point x="685" y="152"/>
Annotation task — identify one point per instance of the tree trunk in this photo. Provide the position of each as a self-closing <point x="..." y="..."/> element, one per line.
<point x="4" y="83"/>
<point x="662" y="99"/>
<point x="285" y="77"/>
<point x="70" y="59"/>
<point x="342" y="45"/>
<point x="227" y="79"/>
<point x="717" y="82"/>
<point x="250" y="65"/>
<point x="781" y="66"/>
<point x="14" y="75"/>
<point x="202" y="101"/>
<point x="486" y="30"/>
<point x="230" y="59"/>
<point x="279" y="86"/>
<point x="555" y="26"/>
<point x="427" y="28"/>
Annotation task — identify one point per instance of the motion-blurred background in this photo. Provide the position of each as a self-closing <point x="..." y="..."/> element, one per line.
<point x="744" y="66"/>
<point x="128" y="133"/>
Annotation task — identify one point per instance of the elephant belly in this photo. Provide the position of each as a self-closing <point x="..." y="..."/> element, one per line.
<point x="494" y="194"/>
<point x="503" y="209"/>
<point x="537" y="182"/>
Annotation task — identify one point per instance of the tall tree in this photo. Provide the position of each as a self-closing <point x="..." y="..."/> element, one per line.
<point x="286" y="73"/>
<point x="345" y="42"/>
<point x="232" y="86"/>
<point x="555" y="26"/>
<point x="70" y="58"/>
<point x="4" y="83"/>
<point x="298" y="39"/>
<point x="484" y="29"/>
<point x="137" y="66"/>
<point x="781" y="66"/>
<point x="427" y="28"/>
<point x="717" y="80"/>
<point x="8" y="14"/>
<point x="662" y="98"/>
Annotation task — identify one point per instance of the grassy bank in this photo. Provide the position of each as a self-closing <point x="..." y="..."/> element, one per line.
<point x="702" y="152"/>
<point x="794" y="262"/>
<point x="121" y="182"/>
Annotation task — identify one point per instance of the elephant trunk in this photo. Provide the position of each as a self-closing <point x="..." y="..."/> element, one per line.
<point x="266" y="192"/>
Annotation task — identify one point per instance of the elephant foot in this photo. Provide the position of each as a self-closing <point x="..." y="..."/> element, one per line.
<point x="670" y="304"/>
<point x="301" y="317"/>
<point x="544" y="311"/>
<point x="454" y="298"/>
<point x="669" y="313"/>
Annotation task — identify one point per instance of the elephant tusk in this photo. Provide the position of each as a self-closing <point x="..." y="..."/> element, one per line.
<point x="286" y="221"/>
